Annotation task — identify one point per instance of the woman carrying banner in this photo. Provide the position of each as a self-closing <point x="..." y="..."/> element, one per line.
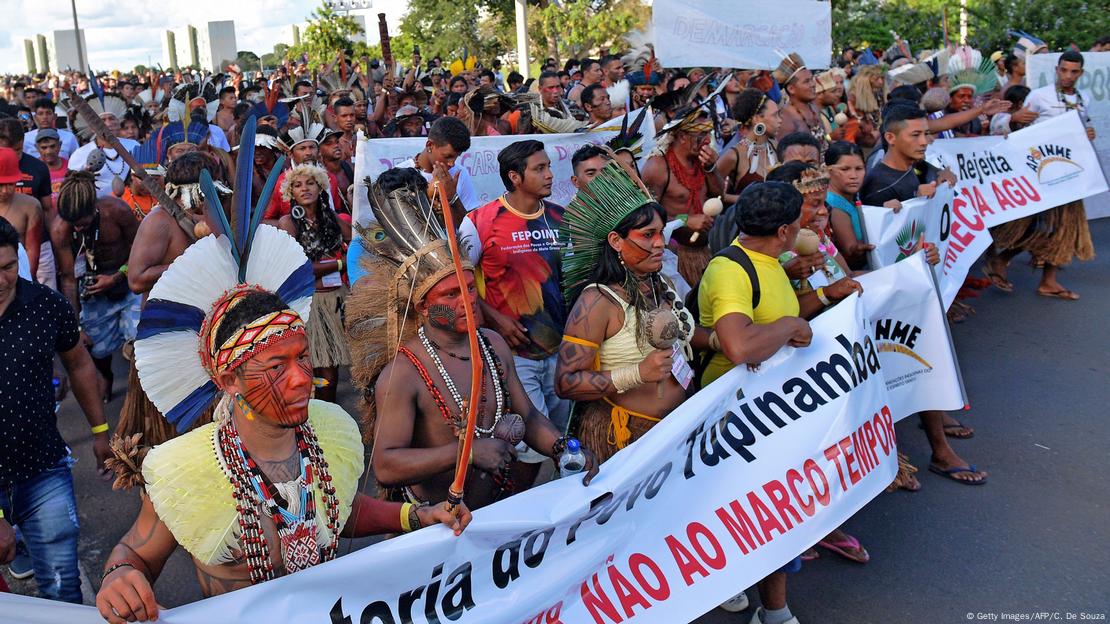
<point x="751" y="328"/>
<point x="324" y="237"/>
<point x="628" y="329"/>
<point x="846" y="168"/>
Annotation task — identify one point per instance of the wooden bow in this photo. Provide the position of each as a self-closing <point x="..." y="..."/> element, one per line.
<point x="466" y="440"/>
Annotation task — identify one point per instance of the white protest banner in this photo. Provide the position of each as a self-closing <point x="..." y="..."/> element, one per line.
<point x="959" y="242"/>
<point x="748" y="34"/>
<point x="733" y="484"/>
<point x="911" y="334"/>
<point x="1034" y="169"/>
<point x="895" y="234"/>
<point x="1040" y="70"/>
<point x="373" y="156"/>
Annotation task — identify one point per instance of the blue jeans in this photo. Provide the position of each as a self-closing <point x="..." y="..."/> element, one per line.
<point x="538" y="379"/>
<point x="46" y="511"/>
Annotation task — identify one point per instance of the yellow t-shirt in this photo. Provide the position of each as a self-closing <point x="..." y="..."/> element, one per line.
<point x="725" y="289"/>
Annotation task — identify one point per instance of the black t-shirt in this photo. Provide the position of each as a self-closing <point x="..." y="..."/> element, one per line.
<point x="36" y="177"/>
<point x="885" y="183"/>
<point x="38" y="323"/>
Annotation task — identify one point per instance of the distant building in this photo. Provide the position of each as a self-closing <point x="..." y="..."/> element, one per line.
<point x="43" y="53"/>
<point x="216" y="45"/>
<point x="61" y="49"/>
<point x="210" y="46"/>
<point x="169" y="50"/>
<point x="291" y="34"/>
<point x="29" y="55"/>
<point x="185" y="43"/>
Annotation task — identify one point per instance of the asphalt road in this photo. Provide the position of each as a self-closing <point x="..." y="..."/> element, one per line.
<point x="1036" y="538"/>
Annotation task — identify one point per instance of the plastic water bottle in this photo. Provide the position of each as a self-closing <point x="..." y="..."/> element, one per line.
<point x="573" y="460"/>
<point x="57" y="385"/>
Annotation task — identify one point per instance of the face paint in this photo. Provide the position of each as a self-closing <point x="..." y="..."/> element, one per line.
<point x="444" y="304"/>
<point x="644" y="244"/>
<point x="442" y="316"/>
<point x="277" y="383"/>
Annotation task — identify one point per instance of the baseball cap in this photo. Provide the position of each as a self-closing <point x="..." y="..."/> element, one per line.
<point x="9" y="166"/>
<point x="47" y="133"/>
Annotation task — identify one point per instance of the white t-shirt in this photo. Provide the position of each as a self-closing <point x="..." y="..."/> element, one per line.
<point x="110" y="169"/>
<point x="69" y="143"/>
<point x="1048" y="103"/>
<point x="217" y="138"/>
<point x="465" y="187"/>
<point x="23" y="262"/>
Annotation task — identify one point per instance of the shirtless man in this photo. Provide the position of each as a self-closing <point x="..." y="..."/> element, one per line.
<point x="681" y="174"/>
<point x="225" y="114"/>
<point x="800" y="114"/>
<point x="22" y="211"/>
<point x="266" y="434"/>
<point x="415" y="448"/>
<point x="92" y="239"/>
<point x="428" y="379"/>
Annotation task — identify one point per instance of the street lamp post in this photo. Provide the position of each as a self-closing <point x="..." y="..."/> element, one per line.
<point x="77" y="36"/>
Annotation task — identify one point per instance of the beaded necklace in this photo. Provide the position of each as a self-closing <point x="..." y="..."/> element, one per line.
<point x="253" y="490"/>
<point x="487" y="356"/>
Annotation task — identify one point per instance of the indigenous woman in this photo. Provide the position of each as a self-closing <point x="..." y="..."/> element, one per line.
<point x="824" y="265"/>
<point x="627" y="329"/>
<point x="807" y="272"/>
<point x="754" y="155"/>
<point x="324" y="238"/>
<point x="845" y="165"/>
<point x="865" y="102"/>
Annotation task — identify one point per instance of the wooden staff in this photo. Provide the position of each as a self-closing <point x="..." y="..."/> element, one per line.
<point x="466" y="442"/>
<point x="387" y="53"/>
<point x="168" y="204"/>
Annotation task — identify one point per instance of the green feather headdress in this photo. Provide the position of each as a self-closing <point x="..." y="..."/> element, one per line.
<point x="595" y="211"/>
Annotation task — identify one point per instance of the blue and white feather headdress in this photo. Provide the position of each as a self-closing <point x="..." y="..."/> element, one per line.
<point x="168" y="346"/>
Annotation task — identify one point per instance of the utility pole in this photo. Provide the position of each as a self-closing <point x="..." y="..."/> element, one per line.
<point x="77" y="36"/>
<point x="522" y="37"/>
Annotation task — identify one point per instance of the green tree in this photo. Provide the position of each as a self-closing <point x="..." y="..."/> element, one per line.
<point x="445" y="29"/>
<point x="575" y="28"/>
<point x="270" y="60"/>
<point x="247" y="60"/>
<point x="920" y="22"/>
<point x="327" y="34"/>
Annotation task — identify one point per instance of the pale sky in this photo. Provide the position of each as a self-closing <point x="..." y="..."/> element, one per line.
<point x="126" y="33"/>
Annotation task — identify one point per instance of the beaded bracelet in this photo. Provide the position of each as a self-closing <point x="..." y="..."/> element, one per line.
<point x="116" y="566"/>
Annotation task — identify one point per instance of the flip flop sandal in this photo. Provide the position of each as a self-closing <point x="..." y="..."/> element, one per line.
<point x="953" y="434"/>
<point x="999" y="281"/>
<point x="952" y="472"/>
<point x="1063" y="293"/>
<point x="849" y="548"/>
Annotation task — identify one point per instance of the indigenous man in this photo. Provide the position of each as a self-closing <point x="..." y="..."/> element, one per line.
<point x="268" y="488"/>
<point x="411" y="283"/>
<point x="225" y="114"/>
<point x="595" y="101"/>
<point x="514" y="244"/>
<point x="92" y="238"/>
<point x="591" y="74"/>
<point x="900" y="176"/>
<point x="682" y="173"/>
<point x="800" y="114"/>
<point x="1055" y="236"/>
<point x="47" y="118"/>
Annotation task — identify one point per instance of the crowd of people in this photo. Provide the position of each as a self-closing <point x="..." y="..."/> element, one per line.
<point x="202" y="228"/>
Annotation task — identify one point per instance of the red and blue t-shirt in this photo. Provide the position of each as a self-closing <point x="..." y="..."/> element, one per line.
<point x="518" y="269"/>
